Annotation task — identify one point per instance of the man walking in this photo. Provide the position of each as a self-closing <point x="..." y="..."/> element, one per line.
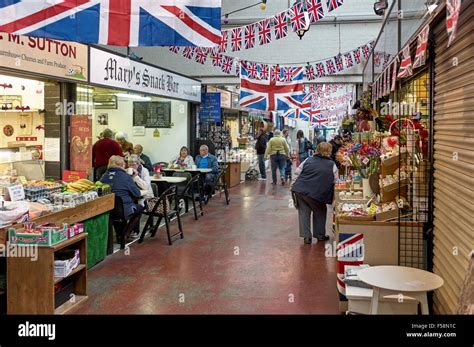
<point x="260" y="147"/>
<point x="278" y="151"/>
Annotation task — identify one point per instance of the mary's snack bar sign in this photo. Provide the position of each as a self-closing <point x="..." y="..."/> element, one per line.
<point x="111" y="70"/>
<point x="65" y="60"/>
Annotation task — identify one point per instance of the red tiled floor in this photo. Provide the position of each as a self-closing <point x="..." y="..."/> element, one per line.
<point x="272" y="273"/>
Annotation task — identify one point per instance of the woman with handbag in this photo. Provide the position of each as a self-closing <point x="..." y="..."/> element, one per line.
<point x="303" y="147"/>
<point x="313" y="189"/>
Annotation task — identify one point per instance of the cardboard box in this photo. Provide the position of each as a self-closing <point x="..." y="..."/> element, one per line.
<point x="44" y="236"/>
<point x="62" y="268"/>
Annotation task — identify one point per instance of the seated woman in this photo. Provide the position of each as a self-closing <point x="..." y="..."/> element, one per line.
<point x="141" y="177"/>
<point x="122" y="185"/>
<point x="184" y="158"/>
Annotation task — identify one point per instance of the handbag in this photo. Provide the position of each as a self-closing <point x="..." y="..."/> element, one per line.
<point x="150" y="204"/>
<point x="295" y="199"/>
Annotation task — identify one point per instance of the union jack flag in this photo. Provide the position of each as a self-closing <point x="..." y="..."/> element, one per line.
<point x="331" y="69"/>
<point x="310" y="74"/>
<point x="271" y="95"/>
<point x="422" y="44"/>
<point x="297" y="17"/>
<point x="280" y="23"/>
<point x="333" y="4"/>
<point x="288" y="74"/>
<point x="264" y="72"/>
<point x="349" y="61"/>
<point x="275" y="73"/>
<point x="174" y="49"/>
<point x="356" y="53"/>
<point x="394" y="74"/>
<point x="350" y="252"/>
<point x="201" y="55"/>
<point x="303" y="114"/>
<point x="405" y="65"/>
<point x="264" y="33"/>
<point x="315" y="10"/>
<point x="119" y="23"/>
<point x="188" y="52"/>
<point x="320" y="70"/>
<point x="236" y="39"/>
<point x="227" y="64"/>
<point x="453" y="7"/>
<point x="224" y="41"/>
<point x="252" y="70"/>
<point x="339" y="63"/>
<point x="249" y="37"/>
<point x="216" y="59"/>
<point x="366" y="51"/>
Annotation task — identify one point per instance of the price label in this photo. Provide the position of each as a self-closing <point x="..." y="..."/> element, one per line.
<point x="366" y="161"/>
<point x="16" y="193"/>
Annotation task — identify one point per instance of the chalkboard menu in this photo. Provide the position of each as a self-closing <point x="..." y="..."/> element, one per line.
<point x="152" y="114"/>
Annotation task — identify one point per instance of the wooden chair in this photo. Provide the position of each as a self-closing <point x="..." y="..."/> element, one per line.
<point x="165" y="207"/>
<point x="123" y="227"/>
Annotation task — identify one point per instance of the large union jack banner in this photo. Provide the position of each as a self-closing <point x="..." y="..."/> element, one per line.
<point x="116" y="22"/>
<point x="271" y="94"/>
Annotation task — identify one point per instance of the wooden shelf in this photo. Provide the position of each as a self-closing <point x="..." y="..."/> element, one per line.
<point x="68" y="305"/>
<point x="73" y="272"/>
<point x="69" y="242"/>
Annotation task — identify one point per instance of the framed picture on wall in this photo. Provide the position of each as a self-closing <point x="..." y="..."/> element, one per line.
<point x="103" y="119"/>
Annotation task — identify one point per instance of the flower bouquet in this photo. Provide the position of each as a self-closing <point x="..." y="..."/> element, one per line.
<point x="364" y="157"/>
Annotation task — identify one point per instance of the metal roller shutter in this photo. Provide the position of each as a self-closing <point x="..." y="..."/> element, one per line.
<point x="453" y="177"/>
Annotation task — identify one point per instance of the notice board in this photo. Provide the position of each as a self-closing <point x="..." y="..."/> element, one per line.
<point x="210" y="108"/>
<point x="152" y="114"/>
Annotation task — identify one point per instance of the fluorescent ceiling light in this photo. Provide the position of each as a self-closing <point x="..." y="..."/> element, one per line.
<point x="84" y="102"/>
<point x="133" y="96"/>
<point x="85" y="90"/>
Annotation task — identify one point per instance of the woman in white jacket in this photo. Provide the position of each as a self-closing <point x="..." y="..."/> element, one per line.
<point x="141" y="177"/>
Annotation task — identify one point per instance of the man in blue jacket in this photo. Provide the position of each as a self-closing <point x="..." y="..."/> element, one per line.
<point x="205" y="160"/>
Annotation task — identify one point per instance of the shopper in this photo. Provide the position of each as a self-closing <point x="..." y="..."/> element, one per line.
<point x="318" y="138"/>
<point x="336" y="144"/>
<point x="122" y="185"/>
<point x="102" y="151"/>
<point x="303" y="146"/>
<point x="127" y="147"/>
<point x="289" y="162"/>
<point x="141" y="177"/>
<point x="277" y="150"/>
<point x="260" y="147"/>
<point x="314" y="188"/>
<point x="205" y="160"/>
<point x="184" y="158"/>
<point x="144" y="159"/>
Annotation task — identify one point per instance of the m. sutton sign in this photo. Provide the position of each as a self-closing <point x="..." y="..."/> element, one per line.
<point x="112" y="70"/>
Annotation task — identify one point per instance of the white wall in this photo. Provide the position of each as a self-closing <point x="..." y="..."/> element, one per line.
<point x="163" y="148"/>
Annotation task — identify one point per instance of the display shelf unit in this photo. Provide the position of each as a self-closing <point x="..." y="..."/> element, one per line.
<point x="34" y="291"/>
<point x="388" y="167"/>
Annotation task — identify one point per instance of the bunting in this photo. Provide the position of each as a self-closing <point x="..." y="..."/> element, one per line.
<point x="422" y="44"/>
<point x="405" y="65"/>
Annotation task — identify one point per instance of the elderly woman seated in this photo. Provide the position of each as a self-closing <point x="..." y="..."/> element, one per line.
<point x="140" y="176"/>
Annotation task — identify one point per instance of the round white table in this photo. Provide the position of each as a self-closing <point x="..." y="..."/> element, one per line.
<point x="401" y="281"/>
<point x="169" y="179"/>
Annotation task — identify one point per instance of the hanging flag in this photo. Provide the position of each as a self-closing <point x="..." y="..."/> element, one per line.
<point x="356" y="54"/>
<point x="310" y="74"/>
<point x="330" y="68"/>
<point x="333" y="4"/>
<point x="224" y="41"/>
<point x="264" y="72"/>
<point x="315" y="10"/>
<point x="227" y="64"/>
<point x="188" y="52"/>
<point x="387" y="81"/>
<point x="453" y="7"/>
<point x="264" y="32"/>
<point x="252" y="70"/>
<point x="287" y="74"/>
<point x="280" y="23"/>
<point x="216" y="59"/>
<point x="320" y="70"/>
<point x="405" y="65"/>
<point x="297" y="17"/>
<point x="422" y="44"/>
<point x="236" y="39"/>
<point x="339" y="63"/>
<point x="271" y="95"/>
<point x="394" y="74"/>
<point x="249" y="37"/>
<point x="201" y="55"/>
<point x="174" y="49"/>
<point x="117" y="23"/>
<point x="366" y="51"/>
<point x="298" y="113"/>
<point x="349" y="61"/>
<point x="275" y="73"/>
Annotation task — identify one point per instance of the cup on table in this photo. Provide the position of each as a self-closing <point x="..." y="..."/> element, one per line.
<point x="130" y="171"/>
<point x="193" y="167"/>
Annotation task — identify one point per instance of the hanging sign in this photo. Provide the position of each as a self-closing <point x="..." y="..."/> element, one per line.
<point x="210" y="108"/>
<point x="81" y="143"/>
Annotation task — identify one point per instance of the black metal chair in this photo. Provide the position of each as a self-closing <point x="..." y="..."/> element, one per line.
<point x="165" y="207"/>
<point x="220" y="182"/>
<point x="191" y="192"/>
<point x="182" y="186"/>
<point x="154" y="187"/>
<point x="123" y="227"/>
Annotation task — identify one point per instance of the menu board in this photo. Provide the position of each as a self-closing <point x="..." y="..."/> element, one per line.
<point x="210" y="108"/>
<point x="152" y="114"/>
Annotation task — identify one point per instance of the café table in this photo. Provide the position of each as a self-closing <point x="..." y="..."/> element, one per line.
<point x="401" y="281"/>
<point x="164" y="182"/>
<point x="193" y="172"/>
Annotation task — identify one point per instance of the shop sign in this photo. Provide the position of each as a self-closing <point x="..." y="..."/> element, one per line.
<point x="210" y="108"/>
<point x="72" y="176"/>
<point x="81" y="143"/>
<point x="111" y="70"/>
<point x="66" y="60"/>
<point x="226" y="96"/>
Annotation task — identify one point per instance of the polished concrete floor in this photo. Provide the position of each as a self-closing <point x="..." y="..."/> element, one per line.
<point x="245" y="258"/>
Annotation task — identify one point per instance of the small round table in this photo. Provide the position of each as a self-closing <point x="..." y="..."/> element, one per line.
<point x="400" y="280"/>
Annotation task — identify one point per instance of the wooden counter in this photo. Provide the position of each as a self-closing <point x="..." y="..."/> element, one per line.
<point x="232" y="175"/>
<point x="73" y="215"/>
